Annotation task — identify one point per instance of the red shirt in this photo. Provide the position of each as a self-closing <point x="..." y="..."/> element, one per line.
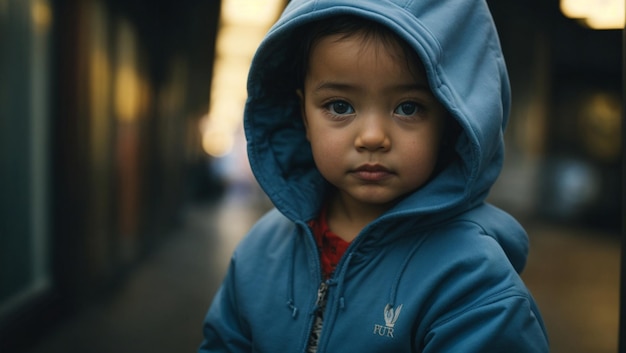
<point x="330" y="245"/>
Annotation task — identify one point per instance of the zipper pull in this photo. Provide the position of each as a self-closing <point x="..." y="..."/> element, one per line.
<point x="321" y="294"/>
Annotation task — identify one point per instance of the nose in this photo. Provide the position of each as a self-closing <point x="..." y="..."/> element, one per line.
<point x="372" y="135"/>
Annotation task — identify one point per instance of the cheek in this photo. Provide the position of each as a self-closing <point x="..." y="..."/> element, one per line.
<point x="327" y="150"/>
<point x="424" y="152"/>
<point x="323" y="138"/>
<point x="419" y="164"/>
<point x="324" y="146"/>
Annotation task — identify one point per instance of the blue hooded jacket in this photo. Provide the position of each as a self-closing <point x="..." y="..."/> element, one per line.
<point x="439" y="272"/>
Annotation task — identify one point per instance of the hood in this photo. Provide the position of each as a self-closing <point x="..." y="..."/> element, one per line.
<point x="466" y="72"/>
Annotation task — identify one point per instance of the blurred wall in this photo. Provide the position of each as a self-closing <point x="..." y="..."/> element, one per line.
<point x="563" y="161"/>
<point x="99" y="108"/>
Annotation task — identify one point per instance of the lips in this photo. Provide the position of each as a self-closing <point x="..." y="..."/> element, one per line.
<point x="372" y="172"/>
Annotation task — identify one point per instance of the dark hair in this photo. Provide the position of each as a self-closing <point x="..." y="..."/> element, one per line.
<point x="347" y="26"/>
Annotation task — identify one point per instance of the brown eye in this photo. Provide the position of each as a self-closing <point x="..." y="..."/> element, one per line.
<point x="340" y="108"/>
<point x="406" y="108"/>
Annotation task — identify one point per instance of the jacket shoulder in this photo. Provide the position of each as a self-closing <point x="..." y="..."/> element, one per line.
<point x="489" y="224"/>
<point x="270" y="232"/>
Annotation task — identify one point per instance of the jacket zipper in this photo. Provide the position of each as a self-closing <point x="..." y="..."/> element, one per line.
<point x="315" y="332"/>
<point x="322" y="290"/>
<point x="321" y="294"/>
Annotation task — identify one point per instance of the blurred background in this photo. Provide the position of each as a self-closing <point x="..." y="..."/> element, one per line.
<point x="124" y="183"/>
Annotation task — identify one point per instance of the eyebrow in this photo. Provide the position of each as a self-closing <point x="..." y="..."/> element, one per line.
<point x="339" y="86"/>
<point x="333" y="86"/>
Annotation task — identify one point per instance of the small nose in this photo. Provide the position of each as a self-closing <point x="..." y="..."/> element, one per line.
<point x="372" y="135"/>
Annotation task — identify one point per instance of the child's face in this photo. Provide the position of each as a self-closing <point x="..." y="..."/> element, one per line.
<point x="374" y="126"/>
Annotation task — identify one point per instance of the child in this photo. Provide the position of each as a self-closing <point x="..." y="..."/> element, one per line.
<point x="375" y="127"/>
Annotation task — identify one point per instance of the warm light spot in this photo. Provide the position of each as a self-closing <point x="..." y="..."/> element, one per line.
<point x="250" y="12"/>
<point x="41" y="15"/>
<point x="238" y="41"/>
<point x="217" y="143"/>
<point x="243" y="25"/>
<point x="127" y="86"/>
<point x="576" y="8"/>
<point x="596" y="14"/>
<point x="126" y="93"/>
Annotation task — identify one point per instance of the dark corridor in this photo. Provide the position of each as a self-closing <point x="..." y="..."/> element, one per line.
<point x="122" y="196"/>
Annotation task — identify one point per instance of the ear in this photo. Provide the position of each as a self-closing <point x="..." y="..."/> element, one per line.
<point x="300" y="94"/>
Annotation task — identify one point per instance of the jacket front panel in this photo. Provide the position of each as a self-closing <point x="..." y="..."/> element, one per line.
<point x="380" y="299"/>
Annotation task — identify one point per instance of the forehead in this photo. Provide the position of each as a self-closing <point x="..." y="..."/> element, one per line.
<point x="360" y="51"/>
<point x="369" y="38"/>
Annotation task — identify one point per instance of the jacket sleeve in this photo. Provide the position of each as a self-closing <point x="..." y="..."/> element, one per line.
<point x="506" y="324"/>
<point x="478" y="301"/>
<point x="224" y="329"/>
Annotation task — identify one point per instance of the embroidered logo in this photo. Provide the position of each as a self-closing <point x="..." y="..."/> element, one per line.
<point x="391" y="316"/>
